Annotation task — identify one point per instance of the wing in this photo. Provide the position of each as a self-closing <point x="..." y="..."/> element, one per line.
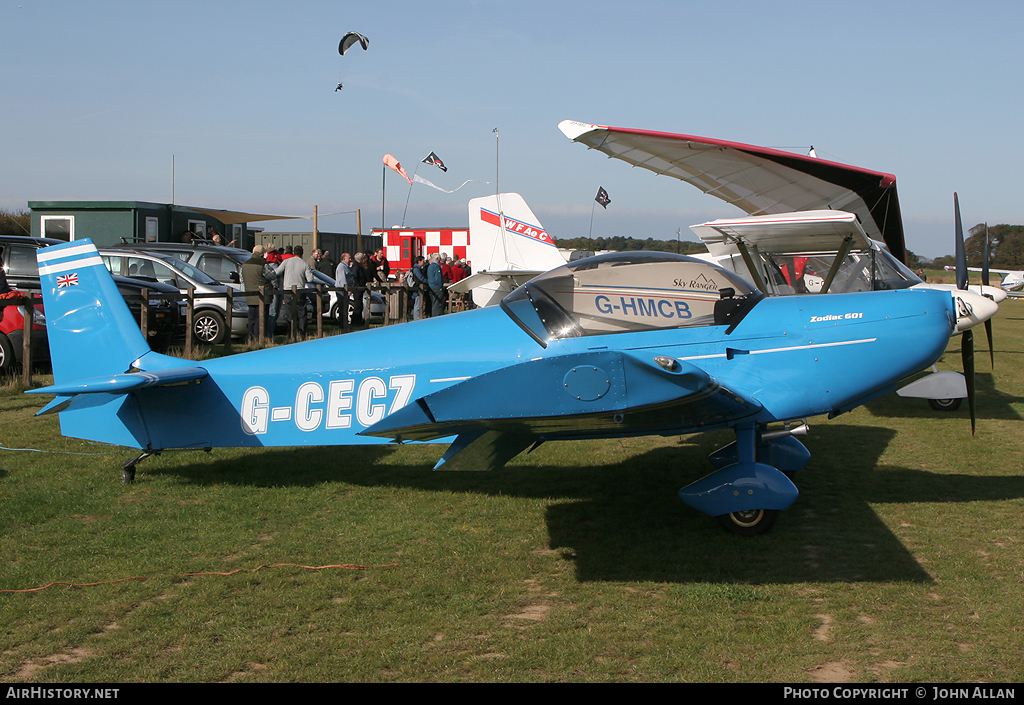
<point x="588" y="395"/>
<point x="808" y="231"/>
<point x="757" y="180"/>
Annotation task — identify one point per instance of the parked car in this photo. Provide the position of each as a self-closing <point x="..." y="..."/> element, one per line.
<point x="221" y="263"/>
<point x="166" y="319"/>
<point x="12" y="336"/>
<point x="209" y="317"/>
<point x="164" y="324"/>
<point x="225" y="264"/>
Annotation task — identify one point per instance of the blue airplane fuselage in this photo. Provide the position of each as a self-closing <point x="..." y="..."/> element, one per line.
<point x="796" y="356"/>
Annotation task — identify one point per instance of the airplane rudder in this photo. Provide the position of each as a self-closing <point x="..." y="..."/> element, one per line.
<point x="90" y="328"/>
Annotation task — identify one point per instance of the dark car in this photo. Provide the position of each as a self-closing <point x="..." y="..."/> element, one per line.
<point x="165" y="324"/>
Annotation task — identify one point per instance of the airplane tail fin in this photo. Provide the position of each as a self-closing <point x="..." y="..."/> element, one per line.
<point x="523" y="244"/>
<point x="91" y="331"/>
<point x="509" y="255"/>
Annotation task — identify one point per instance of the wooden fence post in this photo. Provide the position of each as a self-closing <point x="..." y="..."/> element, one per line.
<point x="144" y="314"/>
<point x="263" y="317"/>
<point x="294" y="307"/>
<point x="230" y="301"/>
<point x="319" y="311"/>
<point x="189" y="305"/>
<point x="26" y="342"/>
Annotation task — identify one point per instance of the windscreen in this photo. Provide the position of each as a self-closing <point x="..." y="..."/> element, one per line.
<point x="859" y="271"/>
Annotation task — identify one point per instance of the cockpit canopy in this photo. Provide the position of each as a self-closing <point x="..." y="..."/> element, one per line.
<point x="623" y="292"/>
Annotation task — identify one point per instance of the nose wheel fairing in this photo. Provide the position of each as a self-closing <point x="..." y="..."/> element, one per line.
<point x="746" y="493"/>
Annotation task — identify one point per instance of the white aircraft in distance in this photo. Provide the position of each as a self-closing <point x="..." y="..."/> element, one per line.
<point x="1012" y="284"/>
<point x="507" y="246"/>
<point x="812" y="225"/>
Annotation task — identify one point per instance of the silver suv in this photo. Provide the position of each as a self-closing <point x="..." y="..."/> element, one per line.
<point x="221" y="263"/>
<point x="209" y="318"/>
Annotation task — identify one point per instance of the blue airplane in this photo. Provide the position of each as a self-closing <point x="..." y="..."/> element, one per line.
<point x="618" y="345"/>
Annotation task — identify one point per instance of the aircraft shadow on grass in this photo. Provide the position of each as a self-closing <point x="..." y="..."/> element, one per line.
<point x="992" y="404"/>
<point x="625" y="522"/>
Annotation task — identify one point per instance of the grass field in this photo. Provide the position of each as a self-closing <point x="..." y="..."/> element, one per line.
<point x="902" y="560"/>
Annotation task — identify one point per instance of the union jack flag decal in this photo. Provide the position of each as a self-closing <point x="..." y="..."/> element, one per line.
<point x="65" y="280"/>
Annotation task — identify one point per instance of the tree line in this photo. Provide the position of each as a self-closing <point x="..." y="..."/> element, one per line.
<point x="15" y="222"/>
<point x="631" y="244"/>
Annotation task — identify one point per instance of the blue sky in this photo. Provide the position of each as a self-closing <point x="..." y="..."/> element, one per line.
<point x="100" y="95"/>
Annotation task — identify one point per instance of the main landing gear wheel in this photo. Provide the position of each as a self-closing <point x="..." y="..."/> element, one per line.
<point x="749" y="522"/>
<point x="945" y="404"/>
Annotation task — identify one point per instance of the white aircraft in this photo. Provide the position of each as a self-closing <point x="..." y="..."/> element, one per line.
<point x="507" y="246"/>
<point x="812" y="225"/>
<point x="1012" y="284"/>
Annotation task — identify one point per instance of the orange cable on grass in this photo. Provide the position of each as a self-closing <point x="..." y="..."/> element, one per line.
<point x="345" y="566"/>
<point x="102" y="582"/>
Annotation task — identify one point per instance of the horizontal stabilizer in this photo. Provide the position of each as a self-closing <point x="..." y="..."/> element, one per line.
<point x="514" y="277"/>
<point x="76" y="402"/>
<point x="123" y="383"/>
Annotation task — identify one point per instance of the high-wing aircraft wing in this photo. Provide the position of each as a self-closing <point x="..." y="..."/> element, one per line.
<point x="758" y="180"/>
<point x="807" y="231"/>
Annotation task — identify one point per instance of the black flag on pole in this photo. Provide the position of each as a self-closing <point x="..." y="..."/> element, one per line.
<point x="434" y="160"/>
<point x="602" y="197"/>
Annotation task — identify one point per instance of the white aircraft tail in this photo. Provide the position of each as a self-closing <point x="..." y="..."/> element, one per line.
<point x="507" y="241"/>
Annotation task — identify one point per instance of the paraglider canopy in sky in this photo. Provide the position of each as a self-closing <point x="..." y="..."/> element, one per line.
<point x="350" y="39"/>
<point x="346" y="43"/>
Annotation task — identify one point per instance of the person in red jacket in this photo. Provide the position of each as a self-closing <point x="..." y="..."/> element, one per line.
<point x="458" y="273"/>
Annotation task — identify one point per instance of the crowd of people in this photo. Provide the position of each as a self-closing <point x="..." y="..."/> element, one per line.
<point x="283" y="268"/>
<point x="427" y="282"/>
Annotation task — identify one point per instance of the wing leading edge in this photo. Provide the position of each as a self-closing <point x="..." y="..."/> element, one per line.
<point x="758" y="180"/>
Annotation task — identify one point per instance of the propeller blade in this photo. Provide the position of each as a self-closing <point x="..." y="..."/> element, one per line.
<point x="984" y="262"/>
<point x="961" y="252"/>
<point x="991" y="350"/>
<point x="984" y="283"/>
<point x="967" y="354"/>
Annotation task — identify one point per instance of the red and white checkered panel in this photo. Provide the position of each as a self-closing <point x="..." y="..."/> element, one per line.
<point x="451" y="242"/>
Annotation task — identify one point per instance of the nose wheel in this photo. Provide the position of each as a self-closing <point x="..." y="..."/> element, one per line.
<point x="749" y="522"/>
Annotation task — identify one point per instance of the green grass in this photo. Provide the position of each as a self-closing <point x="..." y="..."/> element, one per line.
<point x="902" y="560"/>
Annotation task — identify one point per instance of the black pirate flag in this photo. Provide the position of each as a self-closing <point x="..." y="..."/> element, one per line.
<point x="435" y="160"/>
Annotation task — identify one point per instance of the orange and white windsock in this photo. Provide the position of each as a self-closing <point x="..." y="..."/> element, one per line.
<point x="392" y="163"/>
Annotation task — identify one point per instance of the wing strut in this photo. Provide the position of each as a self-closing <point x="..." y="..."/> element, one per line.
<point x="844" y="250"/>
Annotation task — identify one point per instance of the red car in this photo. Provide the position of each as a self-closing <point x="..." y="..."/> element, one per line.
<point x="12" y="335"/>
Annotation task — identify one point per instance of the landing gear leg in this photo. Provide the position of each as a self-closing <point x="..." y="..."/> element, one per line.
<point x="748" y="522"/>
<point x="128" y="467"/>
<point x="745" y="496"/>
